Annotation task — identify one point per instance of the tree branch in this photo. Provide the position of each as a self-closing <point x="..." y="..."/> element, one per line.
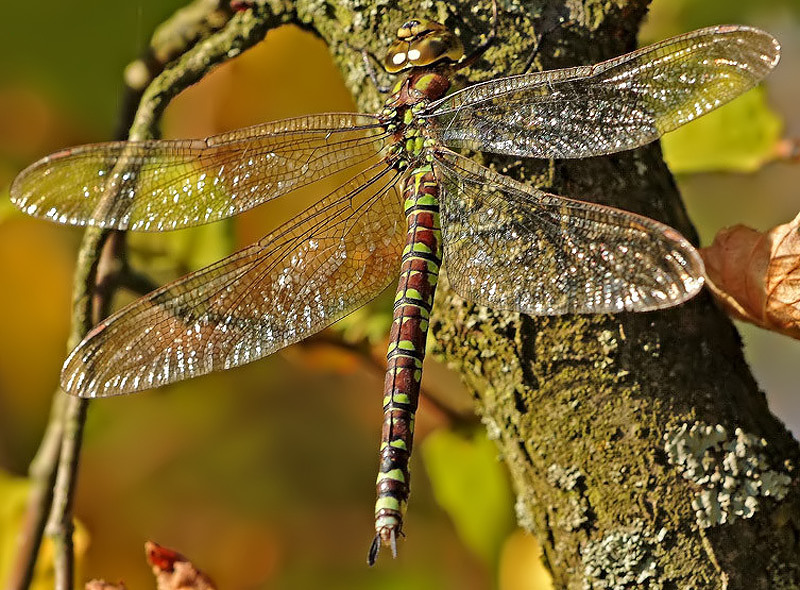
<point x="204" y="34"/>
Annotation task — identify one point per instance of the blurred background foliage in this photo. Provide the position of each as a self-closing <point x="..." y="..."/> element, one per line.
<point x="264" y="475"/>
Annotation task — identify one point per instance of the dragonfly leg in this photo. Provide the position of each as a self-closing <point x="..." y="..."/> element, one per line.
<point x="483" y="46"/>
<point x="373" y="74"/>
<point x="560" y="22"/>
<point x="366" y="56"/>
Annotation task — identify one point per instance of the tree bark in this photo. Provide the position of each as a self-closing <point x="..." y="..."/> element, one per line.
<point x="642" y="452"/>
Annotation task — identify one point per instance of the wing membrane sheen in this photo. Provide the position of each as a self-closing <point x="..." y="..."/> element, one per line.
<point x="616" y="105"/>
<point x="162" y="185"/>
<point x="511" y="246"/>
<point x="336" y="256"/>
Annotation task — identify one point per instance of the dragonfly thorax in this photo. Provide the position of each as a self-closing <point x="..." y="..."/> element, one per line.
<point x="422" y="43"/>
<point x="411" y="133"/>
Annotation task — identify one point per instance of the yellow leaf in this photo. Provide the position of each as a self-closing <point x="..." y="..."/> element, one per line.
<point x="13" y="504"/>
<point x="521" y="566"/>
<point x="471" y="484"/>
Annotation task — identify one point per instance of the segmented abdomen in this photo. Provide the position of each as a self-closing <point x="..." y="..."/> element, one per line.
<point x="419" y="272"/>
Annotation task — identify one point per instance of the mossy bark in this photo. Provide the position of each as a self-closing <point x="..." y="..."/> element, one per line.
<point x="580" y="405"/>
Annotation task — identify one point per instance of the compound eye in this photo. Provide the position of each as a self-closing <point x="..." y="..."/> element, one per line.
<point x="409" y="29"/>
<point x="421" y="43"/>
<point x="434" y="46"/>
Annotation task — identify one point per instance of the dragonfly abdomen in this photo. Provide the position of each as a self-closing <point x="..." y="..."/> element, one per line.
<point x="419" y="273"/>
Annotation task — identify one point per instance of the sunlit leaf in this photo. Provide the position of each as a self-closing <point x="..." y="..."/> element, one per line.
<point x="167" y="255"/>
<point x="13" y="505"/>
<point x="665" y="19"/>
<point x="756" y="276"/>
<point x="13" y="494"/>
<point x="521" y="566"/>
<point x="470" y="483"/>
<point x="6" y="208"/>
<point x="740" y="136"/>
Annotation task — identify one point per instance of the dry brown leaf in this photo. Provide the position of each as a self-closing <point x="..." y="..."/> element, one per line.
<point x="173" y="571"/>
<point x="787" y="150"/>
<point x="756" y="276"/>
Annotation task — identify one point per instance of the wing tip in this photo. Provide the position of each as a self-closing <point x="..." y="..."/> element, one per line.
<point x="79" y="375"/>
<point x="771" y="47"/>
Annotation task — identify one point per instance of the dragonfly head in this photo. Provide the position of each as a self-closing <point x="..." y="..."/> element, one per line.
<point x="421" y="43"/>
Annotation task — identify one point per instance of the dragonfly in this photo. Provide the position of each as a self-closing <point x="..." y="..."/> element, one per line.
<point x="410" y="203"/>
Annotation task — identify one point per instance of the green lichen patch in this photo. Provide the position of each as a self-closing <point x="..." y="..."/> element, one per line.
<point x="733" y="472"/>
<point x="623" y="559"/>
<point x="591" y="13"/>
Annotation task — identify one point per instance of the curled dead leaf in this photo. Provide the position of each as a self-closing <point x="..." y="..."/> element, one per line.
<point x="787" y="150"/>
<point x="755" y="276"/>
<point x="173" y="571"/>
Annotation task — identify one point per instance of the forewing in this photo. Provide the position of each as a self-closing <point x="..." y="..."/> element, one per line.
<point x="613" y="106"/>
<point x="510" y="246"/>
<point x="162" y="185"/>
<point x="333" y="258"/>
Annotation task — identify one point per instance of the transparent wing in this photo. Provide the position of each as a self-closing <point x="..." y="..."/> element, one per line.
<point x="333" y="258"/>
<point x="163" y="185"/>
<point x="613" y="106"/>
<point x="511" y="246"/>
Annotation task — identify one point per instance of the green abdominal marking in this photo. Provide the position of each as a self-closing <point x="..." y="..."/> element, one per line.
<point x="419" y="272"/>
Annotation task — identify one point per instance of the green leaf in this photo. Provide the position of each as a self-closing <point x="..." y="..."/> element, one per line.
<point x="738" y="137"/>
<point x="167" y="255"/>
<point x="7" y="209"/>
<point x="471" y="484"/>
<point x="13" y="496"/>
<point x="13" y="505"/>
<point x="370" y="323"/>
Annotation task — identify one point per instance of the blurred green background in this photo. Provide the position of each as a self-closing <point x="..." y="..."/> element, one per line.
<point x="264" y="475"/>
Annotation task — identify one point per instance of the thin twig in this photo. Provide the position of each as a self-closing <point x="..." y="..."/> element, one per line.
<point x="61" y="442"/>
<point x="94" y="267"/>
<point x="376" y="363"/>
<point x="171" y="39"/>
<point x="60" y="527"/>
<point x="244" y="30"/>
<point x="42" y="475"/>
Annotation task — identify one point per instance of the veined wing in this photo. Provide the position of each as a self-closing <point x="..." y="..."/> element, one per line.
<point x="511" y="246"/>
<point x="616" y="105"/>
<point x="336" y="256"/>
<point x="171" y="184"/>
